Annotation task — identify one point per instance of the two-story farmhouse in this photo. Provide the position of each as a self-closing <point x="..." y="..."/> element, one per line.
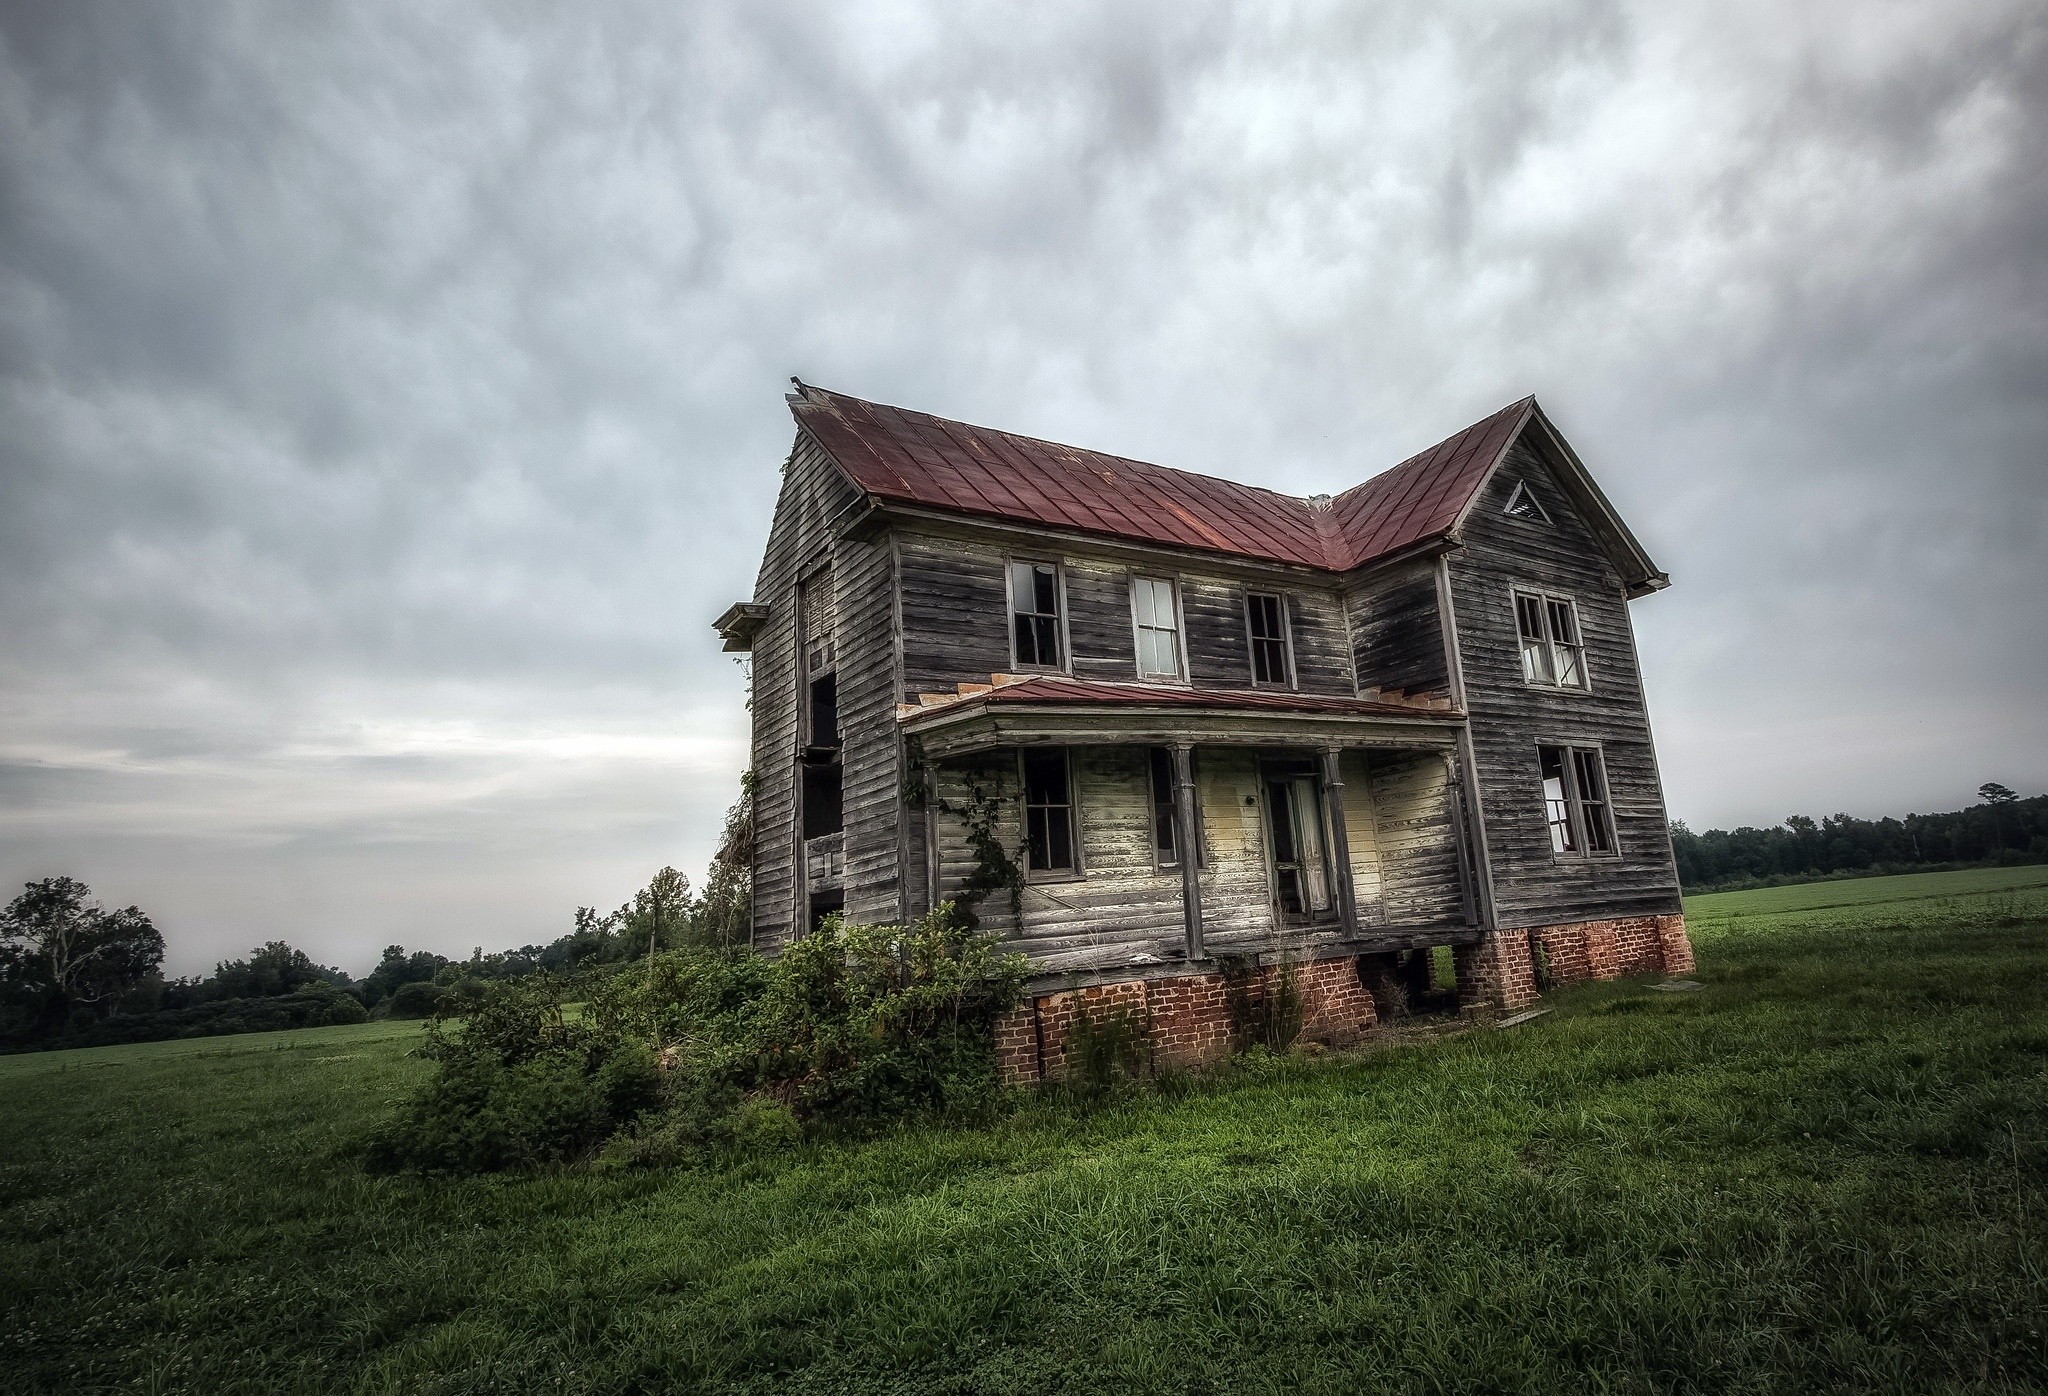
<point x="1211" y="725"/>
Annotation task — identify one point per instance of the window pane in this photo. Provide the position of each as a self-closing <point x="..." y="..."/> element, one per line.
<point x="1162" y="805"/>
<point x="1158" y="657"/>
<point x="1529" y="617"/>
<point x="1564" y="625"/>
<point x="1146" y="593"/>
<point x="1045" y="590"/>
<point x="1536" y="661"/>
<point x="1022" y="587"/>
<point x="1557" y="809"/>
<point x="1060" y="828"/>
<point x="1045" y="777"/>
<point x="1038" y="846"/>
<point x="1592" y="776"/>
<point x="1571" y="666"/>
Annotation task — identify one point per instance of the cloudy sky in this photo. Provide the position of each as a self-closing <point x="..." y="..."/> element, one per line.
<point x="390" y="394"/>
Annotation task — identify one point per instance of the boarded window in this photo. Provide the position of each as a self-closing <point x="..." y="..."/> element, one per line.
<point x="1575" y="801"/>
<point x="1048" y="812"/>
<point x="1035" y="614"/>
<point x="1157" y="614"/>
<point x="1553" y="653"/>
<point x="1266" y="614"/>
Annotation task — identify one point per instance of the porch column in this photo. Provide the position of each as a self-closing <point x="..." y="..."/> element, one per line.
<point x="929" y="773"/>
<point x="1340" y="839"/>
<point x="1184" y="837"/>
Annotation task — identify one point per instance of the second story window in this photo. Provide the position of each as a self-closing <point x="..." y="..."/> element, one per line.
<point x="1553" y="654"/>
<point x="1157" y="613"/>
<point x="1035" y="614"/>
<point x="1272" y="655"/>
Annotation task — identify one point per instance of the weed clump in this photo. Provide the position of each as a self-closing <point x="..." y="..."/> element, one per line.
<point x="703" y="1051"/>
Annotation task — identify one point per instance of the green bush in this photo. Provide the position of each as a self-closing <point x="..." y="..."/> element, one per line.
<point x="704" y="1051"/>
<point x="419" y="999"/>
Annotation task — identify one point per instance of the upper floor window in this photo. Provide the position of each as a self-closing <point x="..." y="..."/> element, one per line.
<point x="1035" y="614"/>
<point x="1156" y="611"/>
<point x="1553" y="654"/>
<point x="1272" y="652"/>
<point x="1523" y="504"/>
<point x="1575" y="803"/>
<point x="1048" y="812"/>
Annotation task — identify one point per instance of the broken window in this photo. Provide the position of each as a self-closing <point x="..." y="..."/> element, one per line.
<point x="1266" y="614"/>
<point x="1157" y="613"/>
<point x="1035" y="614"/>
<point x="1523" y="504"/>
<point x="1575" y="801"/>
<point x="1553" y="653"/>
<point x="1048" y="811"/>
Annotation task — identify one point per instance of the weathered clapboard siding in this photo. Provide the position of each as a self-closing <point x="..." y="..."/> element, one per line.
<point x="955" y="612"/>
<point x="1361" y="826"/>
<point x="813" y="494"/>
<point x="864" y="579"/>
<point x="1099" y="624"/>
<point x="1509" y="719"/>
<point x="1322" y="642"/>
<point x="1411" y="801"/>
<point x="1396" y="633"/>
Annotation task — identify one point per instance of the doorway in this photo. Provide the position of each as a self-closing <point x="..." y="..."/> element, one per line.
<point x="1298" y="840"/>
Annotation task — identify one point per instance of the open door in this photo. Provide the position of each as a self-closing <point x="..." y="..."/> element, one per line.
<point x="1296" y="834"/>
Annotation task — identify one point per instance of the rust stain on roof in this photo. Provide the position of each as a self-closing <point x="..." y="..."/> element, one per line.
<point x="915" y="458"/>
<point x="1008" y="690"/>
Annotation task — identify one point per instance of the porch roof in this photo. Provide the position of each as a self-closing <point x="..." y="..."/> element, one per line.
<point x="1046" y="710"/>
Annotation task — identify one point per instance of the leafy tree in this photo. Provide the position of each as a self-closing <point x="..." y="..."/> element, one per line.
<point x="660" y="914"/>
<point x="61" y="953"/>
<point x="1992" y="793"/>
<point x="398" y="968"/>
<point x="726" y="914"/>
<point x="271" y="970"/>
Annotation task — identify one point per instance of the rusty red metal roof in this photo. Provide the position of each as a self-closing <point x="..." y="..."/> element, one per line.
<point x="915" y="458"/>
<point x="1056" y="690"/>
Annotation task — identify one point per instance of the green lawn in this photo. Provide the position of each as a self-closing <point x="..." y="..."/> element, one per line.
<point x="1866" y="891"/>
<point x="1825" y="1169"/>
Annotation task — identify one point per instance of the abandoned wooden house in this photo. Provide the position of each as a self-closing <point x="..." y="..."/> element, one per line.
<point x="1169" y="733"/>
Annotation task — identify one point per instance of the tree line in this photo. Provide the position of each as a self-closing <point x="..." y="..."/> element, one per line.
<point x="74" y="973"/>
<point x="2001" y="828"/>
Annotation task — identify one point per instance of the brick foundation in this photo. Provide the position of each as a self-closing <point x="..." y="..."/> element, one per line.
<point x="1581" y="950"/>
<point x="1187" y="1017"/>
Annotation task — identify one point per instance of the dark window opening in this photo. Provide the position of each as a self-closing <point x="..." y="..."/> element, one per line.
<point x="1162" y="808"/>
<point x="824" y="904"/>
<point x="1035" y="614"/>
<point x="1267" y="615"/>
<point x="1048" y="812"/>
<point x="824" y="799"/>
<point x="825" y="710"/>
<point x="1575" y="802"/>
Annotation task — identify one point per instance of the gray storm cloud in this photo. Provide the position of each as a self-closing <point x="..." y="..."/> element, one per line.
<point x="391" y="393"/>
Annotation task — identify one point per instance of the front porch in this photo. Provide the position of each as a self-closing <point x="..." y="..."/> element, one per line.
<point x="1319" y="832"/>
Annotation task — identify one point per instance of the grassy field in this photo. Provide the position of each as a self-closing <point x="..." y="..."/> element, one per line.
<point x="1825" y="1169"/>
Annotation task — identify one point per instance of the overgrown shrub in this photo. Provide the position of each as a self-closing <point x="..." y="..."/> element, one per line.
<point x="1106" y="1048"/>
<point x="419" y="999"/>
<point x="701" y="1050"/>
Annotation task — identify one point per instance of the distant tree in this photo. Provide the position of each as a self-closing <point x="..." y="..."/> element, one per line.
<point x="660" y="913"/>
<point x="1992" y="793"/>
<point x="271" y="970"/>
<point x="397" y="968"/>
<point x="61" y="953"/>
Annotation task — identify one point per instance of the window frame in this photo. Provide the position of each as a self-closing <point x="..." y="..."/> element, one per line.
<point x="1541" y="518"/>
<point x="1251" y="639"/>
<point x="1575" y="802"/>
<point x="1138" y="629"/>
<point x="1545" y="599"/>
<point x="1160" y="863"/>
<point x="1059" y="600"/>
<point x="1073" y="808"/>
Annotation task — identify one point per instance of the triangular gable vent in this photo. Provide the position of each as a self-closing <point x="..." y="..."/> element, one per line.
<point x="1523" y="504"/>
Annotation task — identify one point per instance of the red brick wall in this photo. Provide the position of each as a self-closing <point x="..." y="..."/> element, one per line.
<point x="1497" y="972"/>
<point x="1188" y="1017"/>
<point x="1582" y="950"/>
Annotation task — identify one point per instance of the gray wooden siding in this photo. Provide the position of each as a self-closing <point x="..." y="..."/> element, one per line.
<point x="1396" y="632"/>
<point x="956" y="620"/>
<point x="1411" y="801"/>
<point x="1509" y="719"/>
<point x="871" y="747"/>
<point x="813" y="493"/>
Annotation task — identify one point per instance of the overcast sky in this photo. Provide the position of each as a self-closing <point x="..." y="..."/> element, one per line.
<point x="391" y="394"/>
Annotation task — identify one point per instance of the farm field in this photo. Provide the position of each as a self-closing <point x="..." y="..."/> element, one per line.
<point x="1828" y="1168"/>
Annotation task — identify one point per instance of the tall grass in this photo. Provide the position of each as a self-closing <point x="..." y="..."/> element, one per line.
<point x="1828" y="1169"/>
